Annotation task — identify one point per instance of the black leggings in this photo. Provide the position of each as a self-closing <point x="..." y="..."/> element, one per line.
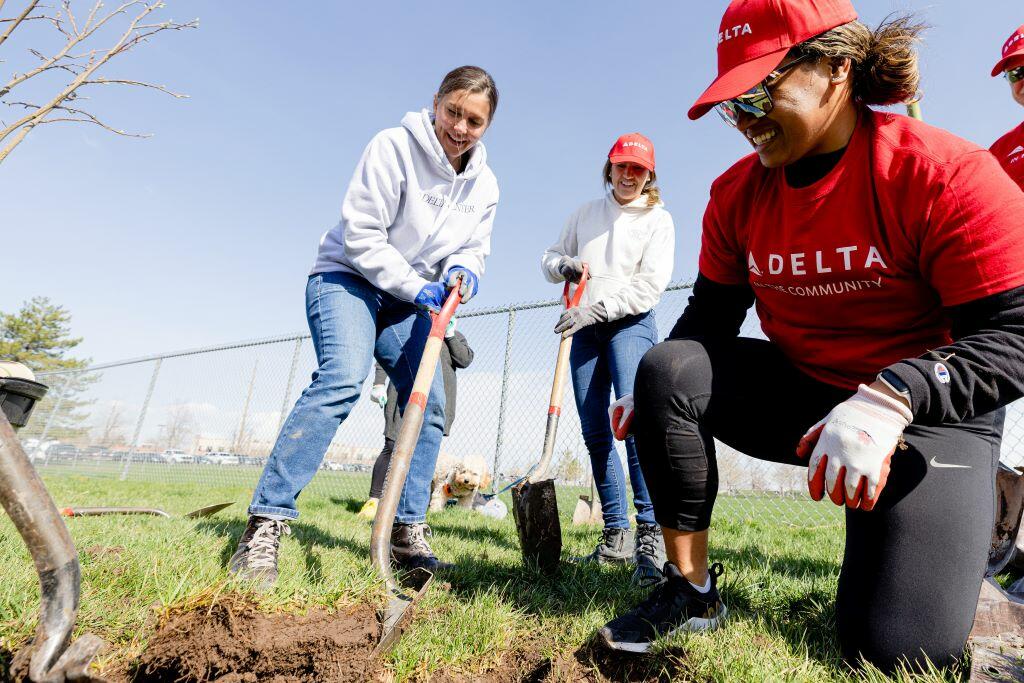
<point x="913" y="566"/>
<point x="380" y="468"/>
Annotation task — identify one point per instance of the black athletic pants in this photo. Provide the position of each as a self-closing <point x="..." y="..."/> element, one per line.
<point x="380" y="468"/>
<point x="913" y="566"/>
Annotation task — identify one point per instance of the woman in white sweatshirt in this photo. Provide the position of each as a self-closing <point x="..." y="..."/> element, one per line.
<point x="417" y="214"/>
<point x="627" y="239"/>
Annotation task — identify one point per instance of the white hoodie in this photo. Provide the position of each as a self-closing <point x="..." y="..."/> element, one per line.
<point x="630" y="250"/>
<point x="408" y="216"/>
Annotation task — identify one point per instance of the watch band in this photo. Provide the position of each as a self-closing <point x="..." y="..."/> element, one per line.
<point x="893" y="381"/>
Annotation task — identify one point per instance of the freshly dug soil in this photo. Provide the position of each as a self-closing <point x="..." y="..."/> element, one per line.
<point x="232" y="643"/>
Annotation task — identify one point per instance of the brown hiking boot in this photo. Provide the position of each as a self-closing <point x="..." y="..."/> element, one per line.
<point x="410" y="549"/>
<point x="256" y="556"/>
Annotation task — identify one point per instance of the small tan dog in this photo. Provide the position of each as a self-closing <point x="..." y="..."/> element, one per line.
<point x="458" y="479"/>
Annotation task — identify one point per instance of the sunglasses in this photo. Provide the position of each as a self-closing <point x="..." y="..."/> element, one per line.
<point x="757" y="101"/>
<point x="1014" y="75"/>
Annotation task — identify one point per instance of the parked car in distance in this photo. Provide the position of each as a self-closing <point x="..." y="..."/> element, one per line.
<point x="174" y="455"/>
<point x="222" y="458"/>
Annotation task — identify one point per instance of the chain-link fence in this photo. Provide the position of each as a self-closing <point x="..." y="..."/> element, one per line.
<point x="210" y="417"/>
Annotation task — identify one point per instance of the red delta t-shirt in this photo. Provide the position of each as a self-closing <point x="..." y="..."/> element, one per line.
<point x="1009" y="150"/>
<point x="852" y="273"/>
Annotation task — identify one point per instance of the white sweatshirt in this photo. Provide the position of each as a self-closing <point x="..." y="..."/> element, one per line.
<point x="630" y="250"/>
<point x="407" y="216"/>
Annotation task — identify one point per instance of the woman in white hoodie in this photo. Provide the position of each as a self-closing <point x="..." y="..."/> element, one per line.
<point x="417" y="214"/>
<point x="628" y="240"/>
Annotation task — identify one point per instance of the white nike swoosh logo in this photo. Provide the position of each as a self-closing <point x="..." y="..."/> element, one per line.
<point x="936" y="463"/>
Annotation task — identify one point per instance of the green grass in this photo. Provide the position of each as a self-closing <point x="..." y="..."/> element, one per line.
<point x="780" y="584"/>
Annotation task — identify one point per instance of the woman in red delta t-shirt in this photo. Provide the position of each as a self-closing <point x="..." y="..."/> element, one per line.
<point x="1009" y="149"/>
<point x="886" y="261"/>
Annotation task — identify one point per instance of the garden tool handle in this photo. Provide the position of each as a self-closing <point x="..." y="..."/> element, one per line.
<point x="577" y="296"/>
<point x="558" y="384"/>
<point x="412" y="423"/>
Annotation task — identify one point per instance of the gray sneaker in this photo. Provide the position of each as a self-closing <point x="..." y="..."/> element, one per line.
<point x="615" y="548"/>
<point x="649" y="556"/>
<point x="410" y="549"/>
<point x="256" y="556"/>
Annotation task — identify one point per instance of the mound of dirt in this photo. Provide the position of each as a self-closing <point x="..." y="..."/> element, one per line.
<point x="229" y="643"/>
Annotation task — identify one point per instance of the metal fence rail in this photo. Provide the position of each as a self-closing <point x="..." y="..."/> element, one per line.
<point x="210" y="416"/>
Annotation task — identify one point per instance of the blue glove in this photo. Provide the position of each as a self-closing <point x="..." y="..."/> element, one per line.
<point x="470" y="282"/>
<point x="431" y="297"/>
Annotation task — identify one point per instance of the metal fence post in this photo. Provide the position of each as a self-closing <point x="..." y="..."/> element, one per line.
<point x="142" y="418"/>
<point x="504" y="392"/>
<point x="288" y="387"/>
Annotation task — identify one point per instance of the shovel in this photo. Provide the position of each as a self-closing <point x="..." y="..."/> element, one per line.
<point x="1009" y="509"/>
<point x="97" y="511"/>
<point x="398" y="611"/>
<point x="51" y="657"/>
<point x="533" y="501"/>
<point x="588" y="510"/>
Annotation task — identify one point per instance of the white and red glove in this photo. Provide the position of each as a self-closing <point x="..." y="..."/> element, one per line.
<point x="620" y="414"/>
<point x="851" y="448"/>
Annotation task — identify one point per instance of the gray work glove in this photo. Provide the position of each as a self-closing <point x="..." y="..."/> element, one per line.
<point x="575" y="319"/>
<point x="570" y="268"/>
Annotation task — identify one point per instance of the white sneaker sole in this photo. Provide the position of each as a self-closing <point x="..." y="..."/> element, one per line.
<point x="691" y="625"/>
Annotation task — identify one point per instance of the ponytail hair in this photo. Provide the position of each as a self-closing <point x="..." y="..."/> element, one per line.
<point x="651" y="190"/>
<point x="884" y="64"/>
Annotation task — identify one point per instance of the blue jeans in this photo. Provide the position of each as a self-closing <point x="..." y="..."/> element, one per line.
<point x="605" y="356"/>
<point x="352" y="322"/>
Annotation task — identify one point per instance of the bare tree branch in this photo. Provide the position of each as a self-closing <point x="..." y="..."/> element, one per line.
<point x="140" y="84"/>
<point x="17" y="22"/>
<point x="85" y="117"/>
<point x="76" y="33"/>
<point x="71" y="16"/>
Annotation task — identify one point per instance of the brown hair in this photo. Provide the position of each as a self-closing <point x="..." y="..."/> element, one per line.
<point x="883" y="60"/>
<point x="651" y="190"/>
<point x="472" y="79"/>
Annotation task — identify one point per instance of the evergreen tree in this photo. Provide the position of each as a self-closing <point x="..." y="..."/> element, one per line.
<point x="39" y="335"/>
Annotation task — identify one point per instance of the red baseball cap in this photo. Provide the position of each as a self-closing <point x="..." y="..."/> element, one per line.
<point x="635" y="148"/>
<point x="1013" y="49"/>
<point x="755" y="36"/>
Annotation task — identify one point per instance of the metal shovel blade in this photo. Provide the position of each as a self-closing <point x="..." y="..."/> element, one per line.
<point x="398" y="612"/>
<point x="535" y="509"/>
<point x="208" y="510"/>
<point x="1009" y="509"/>
<point x="587" y="512"/>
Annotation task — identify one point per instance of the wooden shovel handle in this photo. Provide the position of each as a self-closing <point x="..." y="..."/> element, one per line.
<point x="562" y="363"/>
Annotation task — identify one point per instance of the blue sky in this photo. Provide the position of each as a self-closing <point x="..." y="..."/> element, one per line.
<point x="204" y="233"/>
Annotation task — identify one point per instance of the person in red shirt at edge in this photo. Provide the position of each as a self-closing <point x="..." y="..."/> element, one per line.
<point x="885" y="258"/>
<point x="1009" y="149"/>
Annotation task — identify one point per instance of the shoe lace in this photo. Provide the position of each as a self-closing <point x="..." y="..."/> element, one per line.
<point x="647" y="540"/>
<point x="607" y="538"/>
<point x="418" y="534"/>
<point x="262" y="550"/>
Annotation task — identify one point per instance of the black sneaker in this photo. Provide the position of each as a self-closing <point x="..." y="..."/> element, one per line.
<point x="649" y="555"/>
<point x="256" y="556"/>
<point x="410" y="549"/>
<point x="673" y="606"/>
<point x="614" y="548"/>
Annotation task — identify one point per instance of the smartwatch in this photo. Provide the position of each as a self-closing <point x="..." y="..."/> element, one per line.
<point x="893" y="381"/>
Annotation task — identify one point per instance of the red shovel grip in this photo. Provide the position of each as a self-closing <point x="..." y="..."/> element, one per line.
<point x="577" y="296"/>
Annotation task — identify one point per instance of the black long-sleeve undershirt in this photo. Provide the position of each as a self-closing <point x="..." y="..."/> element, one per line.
<point x="985" y="362"/>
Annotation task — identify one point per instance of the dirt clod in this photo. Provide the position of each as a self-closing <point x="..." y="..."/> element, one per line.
<point x="229" y="643"/>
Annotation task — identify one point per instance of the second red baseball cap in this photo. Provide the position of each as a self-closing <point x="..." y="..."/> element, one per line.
<point x="755" y="36"/>
<point x="635" y="148"/>
<point x="1013" y="49"/>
